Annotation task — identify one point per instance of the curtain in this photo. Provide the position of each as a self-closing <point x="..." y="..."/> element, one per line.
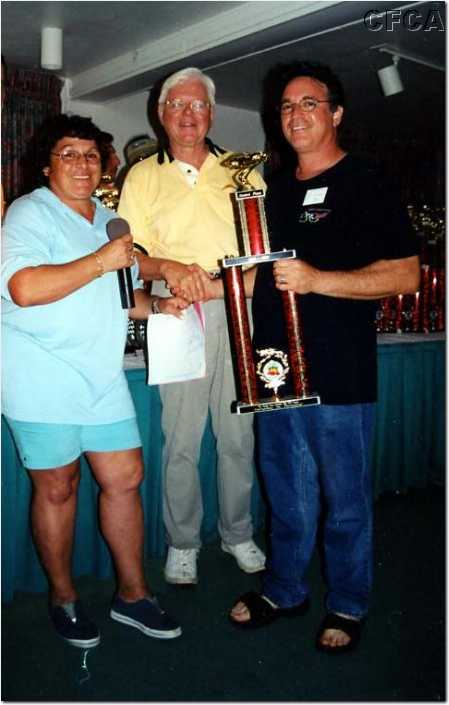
<point x="31" y="97"/>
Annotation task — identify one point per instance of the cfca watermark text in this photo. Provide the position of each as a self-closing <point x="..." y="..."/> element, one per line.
<point x="412" y="20"/>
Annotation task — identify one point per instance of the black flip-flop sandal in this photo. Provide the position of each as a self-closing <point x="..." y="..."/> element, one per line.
<point x="351" y="627"/>
<point x="263" y="613"/>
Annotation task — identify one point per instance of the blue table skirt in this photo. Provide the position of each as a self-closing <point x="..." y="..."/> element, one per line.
<point x="409" y="451"/>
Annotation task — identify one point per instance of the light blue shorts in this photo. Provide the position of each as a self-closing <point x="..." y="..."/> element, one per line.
<point x="43" y="446"/>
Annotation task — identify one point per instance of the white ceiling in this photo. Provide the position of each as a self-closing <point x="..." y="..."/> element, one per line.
<point x="116" y="48"/>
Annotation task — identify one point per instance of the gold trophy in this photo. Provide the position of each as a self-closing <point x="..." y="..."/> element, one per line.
<point x="274" y="365"/>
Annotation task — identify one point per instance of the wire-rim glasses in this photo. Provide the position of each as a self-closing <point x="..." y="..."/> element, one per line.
<point x="176" y="105"/>
<point x="307" y="104"/>
<point x="71" y="156"/>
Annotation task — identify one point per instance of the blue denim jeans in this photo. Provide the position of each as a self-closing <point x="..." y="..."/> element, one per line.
<point x="317" y="460"/>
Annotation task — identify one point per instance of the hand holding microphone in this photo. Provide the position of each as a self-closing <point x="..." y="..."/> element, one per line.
<point x="119" y="255"/>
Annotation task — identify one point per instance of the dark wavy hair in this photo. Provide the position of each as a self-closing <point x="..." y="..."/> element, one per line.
<point x="58" y="126"/>
<point x="275" y="82"/>
<point x="280" y="76"/>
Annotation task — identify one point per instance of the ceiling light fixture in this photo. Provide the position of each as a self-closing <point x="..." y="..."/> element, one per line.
<point x="388" y="49"/>
<point x="389" y="77"/>
<point x="51" y="48"/>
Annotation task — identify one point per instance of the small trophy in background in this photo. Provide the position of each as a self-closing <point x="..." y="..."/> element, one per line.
<point x="274" y="365"/>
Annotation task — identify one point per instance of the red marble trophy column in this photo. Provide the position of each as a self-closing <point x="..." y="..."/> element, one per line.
<point x="295" y="347"/>
<point x="235" y="291"/>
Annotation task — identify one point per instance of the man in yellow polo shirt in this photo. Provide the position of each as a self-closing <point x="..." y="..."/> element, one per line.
<point x="178" y="206"/>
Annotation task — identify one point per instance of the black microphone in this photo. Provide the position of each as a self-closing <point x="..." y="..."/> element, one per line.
<point x="116" y="228"/>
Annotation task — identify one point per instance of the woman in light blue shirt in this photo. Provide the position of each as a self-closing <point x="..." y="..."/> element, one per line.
<point x="64" y="391"/>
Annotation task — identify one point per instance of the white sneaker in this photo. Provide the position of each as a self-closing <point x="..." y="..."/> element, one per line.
<point x="249" y="557"/>
<point x="180" y="567"/>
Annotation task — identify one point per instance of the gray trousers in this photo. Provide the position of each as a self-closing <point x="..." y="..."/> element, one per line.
<point x="185" y="409"/>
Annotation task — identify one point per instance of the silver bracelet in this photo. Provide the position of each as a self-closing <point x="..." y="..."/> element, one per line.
<point x="155" y="306"/>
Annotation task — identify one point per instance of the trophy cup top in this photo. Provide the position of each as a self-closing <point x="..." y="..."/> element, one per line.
<point x="243" y="163"/>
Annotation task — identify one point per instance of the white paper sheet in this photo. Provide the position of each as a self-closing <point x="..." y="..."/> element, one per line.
<point x="176" y="347"/>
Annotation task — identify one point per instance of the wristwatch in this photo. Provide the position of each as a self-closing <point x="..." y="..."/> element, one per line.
<point x="155" y="306"/>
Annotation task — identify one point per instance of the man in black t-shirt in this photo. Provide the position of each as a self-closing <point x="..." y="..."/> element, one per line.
<point x="354" y="245"/>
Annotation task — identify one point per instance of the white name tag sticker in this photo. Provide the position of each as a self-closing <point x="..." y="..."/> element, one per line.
<point x="314" y="195"/>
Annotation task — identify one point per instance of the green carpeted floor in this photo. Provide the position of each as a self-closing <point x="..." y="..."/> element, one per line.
<point x="401" y="656"/>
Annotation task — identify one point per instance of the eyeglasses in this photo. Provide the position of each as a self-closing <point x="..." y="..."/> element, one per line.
<point x="70" y="156"/>
<point x="197" y="106"/>
<point x="306" y="104"/>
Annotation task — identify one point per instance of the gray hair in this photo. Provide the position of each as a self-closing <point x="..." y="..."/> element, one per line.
<point x="186" y="75"/>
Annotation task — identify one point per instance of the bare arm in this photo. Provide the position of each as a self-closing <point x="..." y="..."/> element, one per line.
<point x="173" y="305"/>
<point x="214" y="288"/>
<point x="149" y="267"/>
<point x="33" y="286"/>
<point x="375" y="281"/>
<point x="249" y="277"/>
<point x="142" y="309"/>
<point x="187" y="280"/>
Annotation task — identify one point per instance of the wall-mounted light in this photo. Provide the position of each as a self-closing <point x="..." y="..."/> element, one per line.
<point x="51" y="48"/>
<point x="389" y="78"/>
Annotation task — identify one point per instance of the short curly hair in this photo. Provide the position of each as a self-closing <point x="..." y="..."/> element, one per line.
<point x="58" y="126"/>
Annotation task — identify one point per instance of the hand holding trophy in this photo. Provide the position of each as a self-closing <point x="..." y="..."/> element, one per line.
<point x="254" y="248"/>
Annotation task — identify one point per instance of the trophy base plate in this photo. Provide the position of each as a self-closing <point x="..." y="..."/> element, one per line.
<point x="240" y="407"/>
<point x="257" y="259"/>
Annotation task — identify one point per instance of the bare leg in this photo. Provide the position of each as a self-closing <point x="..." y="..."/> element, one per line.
<point x="119" y="474"/>
<point x="53" y="507"/>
